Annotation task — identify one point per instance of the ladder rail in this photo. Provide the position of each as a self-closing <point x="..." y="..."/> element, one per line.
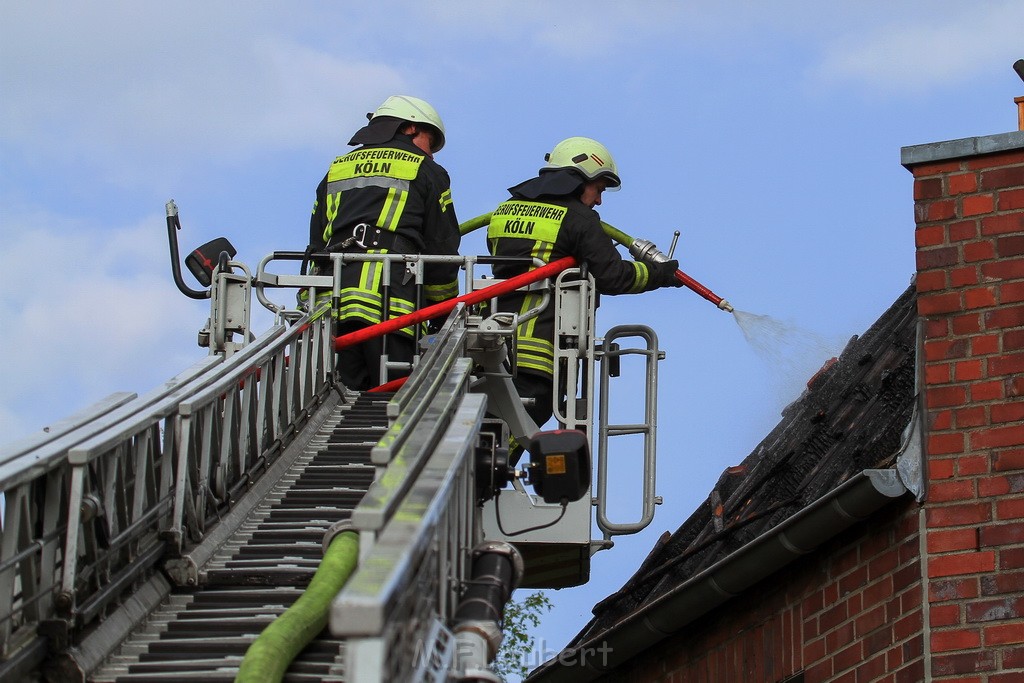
<point x="395" y="610"/>
<point x="35" y="475"/>
<point x="417" y="523"/>
<point x="424" y="406"/>
<point x="69" y="425"/>
<point x="647" y="429"/>
<point x="235" y="427"/>
<point x="121" y="476"/>
<point x="103" y="489"/>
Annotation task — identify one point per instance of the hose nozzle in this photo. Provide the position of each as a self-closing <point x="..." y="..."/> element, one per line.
<point x="648" y="252"/>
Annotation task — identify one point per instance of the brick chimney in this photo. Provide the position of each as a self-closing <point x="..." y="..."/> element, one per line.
<point x="1018" y="66"/>
<point x="969" y="210"/>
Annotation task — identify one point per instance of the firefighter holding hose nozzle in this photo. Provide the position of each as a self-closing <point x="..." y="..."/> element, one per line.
<point x="549" y="217"/>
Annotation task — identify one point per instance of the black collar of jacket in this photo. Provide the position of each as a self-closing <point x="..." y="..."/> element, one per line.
<point x="562" y="182"/>
<point x="377" y="131"/>
<point x="382" y="130"/>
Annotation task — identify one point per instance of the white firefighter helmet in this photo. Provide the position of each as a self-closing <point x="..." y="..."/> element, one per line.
<point x="414" y="110"/>
<point x="588" y="156"/>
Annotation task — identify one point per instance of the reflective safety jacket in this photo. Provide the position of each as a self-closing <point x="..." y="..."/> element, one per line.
<point x="550" y="228"/>
<point x="399" y="189"/>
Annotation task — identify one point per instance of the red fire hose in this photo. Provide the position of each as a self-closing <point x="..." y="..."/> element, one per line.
<point x="703" y="291"/>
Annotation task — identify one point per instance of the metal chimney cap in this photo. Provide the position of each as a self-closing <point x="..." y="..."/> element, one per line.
<point x="1018" y="66"/>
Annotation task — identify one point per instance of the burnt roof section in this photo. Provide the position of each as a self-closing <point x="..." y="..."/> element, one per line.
<point x="852" y="417"/>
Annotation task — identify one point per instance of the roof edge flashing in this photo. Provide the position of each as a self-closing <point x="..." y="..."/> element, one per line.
<point x="910" y="463"/>
<point x="963" y="147"/>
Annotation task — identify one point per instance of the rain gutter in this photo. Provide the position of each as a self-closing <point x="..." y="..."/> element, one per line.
<point x="854" y="500"/>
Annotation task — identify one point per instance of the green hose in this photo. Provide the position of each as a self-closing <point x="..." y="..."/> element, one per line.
<point x="482" y="220"/>
<point x="617" y="235"/>
<point x="272" y="652"/>
<point x="474" y="223"/>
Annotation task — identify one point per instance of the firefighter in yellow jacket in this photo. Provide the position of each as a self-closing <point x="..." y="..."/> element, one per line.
<point x="550" y="217"/>
<point x="387" y="196"/>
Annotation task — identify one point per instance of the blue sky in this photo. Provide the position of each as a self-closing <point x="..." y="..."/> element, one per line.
<point x="768" y="134"/>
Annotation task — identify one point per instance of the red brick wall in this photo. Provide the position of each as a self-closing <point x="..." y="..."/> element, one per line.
<point x="970" y="261"/>
<point x="849" y="613"/>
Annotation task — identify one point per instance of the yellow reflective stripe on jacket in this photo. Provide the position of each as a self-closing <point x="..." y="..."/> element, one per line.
<point x="641" y="278"/>
<point x="445" y="200"/>
<point x="360" y="304"/>
<point x="529" y="301"/>
<point x="333" y="201"/>
<point x="353" y="303"/>
<point x="448" y="290"/>
<point x="370" y="275"/>
<point x="535" y="354"/>
<point x="392" y="210"/>
<point x="542" y="250"/>
<point x="526" y="220"/>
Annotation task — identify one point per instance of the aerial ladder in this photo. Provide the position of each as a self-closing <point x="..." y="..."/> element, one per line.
<point x="253" y="519"/>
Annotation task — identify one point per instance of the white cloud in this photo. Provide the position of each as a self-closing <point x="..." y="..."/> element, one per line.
<point x="914" y="46"/>
<point x="584" y="33"/>
<point x="313" y="94"/>
<point x="86" y="312"/>
<point x="202" y="78"/>
<point x="933" y="47"/>
<point x="182" y="80"/>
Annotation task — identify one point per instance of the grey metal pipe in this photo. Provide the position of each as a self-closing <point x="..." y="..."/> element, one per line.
<point x="497" y="570"/>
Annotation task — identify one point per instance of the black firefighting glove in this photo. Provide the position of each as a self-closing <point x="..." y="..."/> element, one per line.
<point x="664" y="274"/>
